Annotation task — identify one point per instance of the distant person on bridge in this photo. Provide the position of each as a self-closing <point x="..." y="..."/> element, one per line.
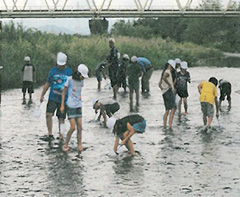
<point x="73" y="87"/>
<point x="208" y="96"/>
<point x="28" y="77"/>
<point x="166" y="84"/>
<point x="225" y="90"/>
<point x="56" y="80"/>
<point x="147" y="70"/>
<point x="113" y="66"/>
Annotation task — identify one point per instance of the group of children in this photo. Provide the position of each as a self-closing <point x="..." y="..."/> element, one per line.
<point x="65" y="98"/>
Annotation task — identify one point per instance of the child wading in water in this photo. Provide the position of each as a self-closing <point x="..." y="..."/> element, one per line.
<point x="125" y="128"/>
<point x="74" y="86"/>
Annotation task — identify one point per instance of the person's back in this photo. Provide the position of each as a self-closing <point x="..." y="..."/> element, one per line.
<point x="134" y="72"/>
<point x="208" y="92"/>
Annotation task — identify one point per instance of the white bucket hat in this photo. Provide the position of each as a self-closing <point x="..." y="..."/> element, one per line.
<point x="83" y="69"/>
<point x="27" y="59"/>
<point x="134" y="59"/>
<point x="177" y="61"/>
<point x="61" y="59"/>
<point x="125" y="56"/>
<point x="172" y="63"/>
<point x="184" y="65"/>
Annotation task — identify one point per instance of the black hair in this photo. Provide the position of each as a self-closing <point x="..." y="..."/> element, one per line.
<point x="117" y="127"/>
<point x="76" y="76"/>
<point x="164" y="69"/>
<point x="213" y="80"/>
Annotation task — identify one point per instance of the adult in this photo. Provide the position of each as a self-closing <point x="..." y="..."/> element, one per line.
<point x="28" y="76"/>
<point x="225" y="90"/>
<point x="113" y="66"/>
<point x="208" y="96"/>
<point x="168" y="92"/>
<point x="147" y="70"/>
<point x="56" y="80"/>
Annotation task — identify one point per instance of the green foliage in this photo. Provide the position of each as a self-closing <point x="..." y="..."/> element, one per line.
<point x="43" y="47"/>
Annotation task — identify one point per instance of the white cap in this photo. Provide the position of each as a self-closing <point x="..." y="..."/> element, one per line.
<point x="111" y="40"/>
<point x="134" y="59"/>
<point x="172" y="63"/>
<point x="125" y="56"/>
<point x="61" y="59"/>
<point x="83" y="70"/>
<point x="184" y="65"/>
<point x="177" y="61"/>
<point x="27" y="59"/>
<point x="111" y="122"/>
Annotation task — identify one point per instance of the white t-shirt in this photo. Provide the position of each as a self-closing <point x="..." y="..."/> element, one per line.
<point x="28" y="73"/>
<point x="165" y="86"/>
<point x="74" y="99"/>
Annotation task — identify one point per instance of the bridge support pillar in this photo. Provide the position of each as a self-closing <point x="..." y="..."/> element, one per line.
<point x="98" y="26"/>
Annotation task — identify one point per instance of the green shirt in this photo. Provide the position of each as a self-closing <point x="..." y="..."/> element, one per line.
<point x="134" y="72"/>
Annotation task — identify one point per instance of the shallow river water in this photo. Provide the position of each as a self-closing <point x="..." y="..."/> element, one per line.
<point x="186" y="162"/>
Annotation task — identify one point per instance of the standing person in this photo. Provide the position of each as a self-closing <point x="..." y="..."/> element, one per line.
<point x="134" y="72"/>
<point x="208" y="96"/>
<point x="28" y="76"/>
<point x="107" y="108"/>
<point x="99" y="71"/>
<point x="147" y="70"/>
<point x="225" y="90"/>
<point x="74" y="86"/>
<point x="56" y="80"/>
<point x="183" y="77"/>
<point x="125" y="128"/>
<point x="122" y="74"/>
<point x="167" y="86"/>
<point x="113" y="66"/>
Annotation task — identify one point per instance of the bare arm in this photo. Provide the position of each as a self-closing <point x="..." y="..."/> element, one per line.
<point x="130" y="128"/>
<point x="63" y="99"/>
<point x="217" y="107"/>
<point x="45" y="88"/>
<point x="103" y="113"/>
<point x="199" y="88"/>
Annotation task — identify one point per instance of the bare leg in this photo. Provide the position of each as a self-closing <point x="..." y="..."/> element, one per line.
<point x="49" y="122"/>
<point x="115" y="89"/>
<point x="210" y="118"/>
<point x="165" y="116"/>
<point x="131" y="99"/>
<point x="79" y="133"/>
<point x="129" y="144"/>
<point x="185" y="105"/>
<point x="171" y="118"/>
<point x="70" y="132"/>
<point x="60" y="121"/>
<point x="137" y="98"/>
<point x="204" y="120"/>
<point x="179" y="106"/>
<point x="99" y="86"/>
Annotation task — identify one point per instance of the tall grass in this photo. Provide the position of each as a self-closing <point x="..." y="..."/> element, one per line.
<point x="43" y="47"/>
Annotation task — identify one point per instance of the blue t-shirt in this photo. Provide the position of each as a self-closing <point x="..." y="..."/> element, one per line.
<point x="144" y="63"/>
<point x="57" y="78"/>
<point x="74" y="92"/>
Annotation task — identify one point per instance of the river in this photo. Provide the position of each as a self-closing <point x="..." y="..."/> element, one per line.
<point x="186" y="162"/>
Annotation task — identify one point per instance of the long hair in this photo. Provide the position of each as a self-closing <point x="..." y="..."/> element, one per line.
<point x="164" y="69"/>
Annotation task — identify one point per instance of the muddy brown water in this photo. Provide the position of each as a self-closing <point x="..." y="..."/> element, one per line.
<point x="186" y="162"/>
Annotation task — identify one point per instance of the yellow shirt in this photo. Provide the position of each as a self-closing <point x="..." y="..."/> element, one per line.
<point x="208" y="92"/>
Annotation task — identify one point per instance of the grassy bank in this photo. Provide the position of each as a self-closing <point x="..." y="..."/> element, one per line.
<point x="43" y="47"/>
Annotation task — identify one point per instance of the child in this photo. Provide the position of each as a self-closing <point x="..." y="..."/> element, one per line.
<point x="99" y="71"/>
<point x="74" y="86"/>
<point x="183" y="77"/>
<point x="107" y="108"/>
<point x="122" y="73"/>
<point x="208" y="95"/>
<point x="166" y="84"/>
<point x="28" y="75"/>
<point x="225" y="90"/>
<point x="134" y="72"/>
<point x="125" y="128"/>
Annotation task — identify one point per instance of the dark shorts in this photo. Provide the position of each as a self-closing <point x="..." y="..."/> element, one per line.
<point x="134" y="86"/>
<point x="111" y="108"/>
<point x="169" y="100"/>
<point x="182" y="93"/>
<point x="207" y="109"/>
<point x="74" y="112"/>
<point x="226" y="91"/>
<point x="27" y="85"/>
<point x="52" y="106"/>
<point x="113" y="76"/>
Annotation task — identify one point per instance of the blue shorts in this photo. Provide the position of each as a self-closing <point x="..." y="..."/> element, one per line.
<point x="207" y="109"/>
<point x="140" y="127"/>
<point x="74" y="112"/>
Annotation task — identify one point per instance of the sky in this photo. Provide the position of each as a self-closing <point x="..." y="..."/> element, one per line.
<point x="80" y="25"/>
